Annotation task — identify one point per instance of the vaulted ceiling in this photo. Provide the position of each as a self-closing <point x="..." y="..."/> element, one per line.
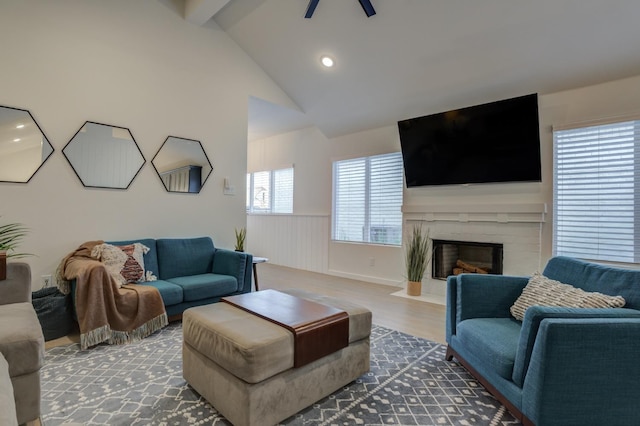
<point x="417" y="57"/>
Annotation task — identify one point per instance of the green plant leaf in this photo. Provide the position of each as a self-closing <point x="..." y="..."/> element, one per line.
<point x="11" y="236"/>
<point x="241" y="234"/>
<point x="417" y="254"/>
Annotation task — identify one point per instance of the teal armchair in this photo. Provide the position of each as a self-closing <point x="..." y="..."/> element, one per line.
<point x="559" y="366"/>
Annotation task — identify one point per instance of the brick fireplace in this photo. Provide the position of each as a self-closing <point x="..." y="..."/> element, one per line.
<point x="511" y="232"/>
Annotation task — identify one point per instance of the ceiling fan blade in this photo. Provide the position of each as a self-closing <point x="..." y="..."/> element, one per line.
<point x="368" y="8"/>
<point x="312" y="8"/>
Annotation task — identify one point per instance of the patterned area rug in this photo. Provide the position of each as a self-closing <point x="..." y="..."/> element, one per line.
<point x="409" y="383"/>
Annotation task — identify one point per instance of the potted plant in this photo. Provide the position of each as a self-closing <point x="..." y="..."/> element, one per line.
<point x="11" y="235"/>
<point x="417" y="258"/>
<point x="241" y="234"/>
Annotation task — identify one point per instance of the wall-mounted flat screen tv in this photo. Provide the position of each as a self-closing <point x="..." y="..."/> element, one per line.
<point x="494" y="142"/>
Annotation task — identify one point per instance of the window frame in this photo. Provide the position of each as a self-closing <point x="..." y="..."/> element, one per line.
<point x="605" y="141"/>
<point x="368" y="227"/>
<point x="272" y="192"/>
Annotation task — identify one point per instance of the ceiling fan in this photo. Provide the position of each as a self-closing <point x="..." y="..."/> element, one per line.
<point x="366" y="5"/>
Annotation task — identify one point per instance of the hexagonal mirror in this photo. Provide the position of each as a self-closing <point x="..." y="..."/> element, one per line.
<point x="182" y="165"/>
<point x="23" y="145"/>
<point x="104" y="156"/>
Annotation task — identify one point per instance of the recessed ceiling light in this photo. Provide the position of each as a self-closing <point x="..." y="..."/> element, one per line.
<point x="327" y="61"/>
<point x="19" y="126"/>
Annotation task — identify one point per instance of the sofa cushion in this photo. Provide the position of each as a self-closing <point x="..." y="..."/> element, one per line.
<point x="359" y="316"/>
<point x="113" y="260"/>
<point x="150" y="257"/>
<point x="125" y="263"/>
<point x="494" y="341"/>
<point x="590" y="276"/>
<point x="543" y="291"/>
<point x="171" y="294"/>
<point x="184" y="257"/>
<point x="203" y="286"/>
<point x="8" y="414"/>
<point x="247" y="346"/>
<point x="534" y="319"/>
<point x="133" y="270"/>
<point x="21" y="339"/>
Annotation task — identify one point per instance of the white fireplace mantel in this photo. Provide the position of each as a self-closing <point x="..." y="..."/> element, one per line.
<point x="517" y="226"/>
<point x="499" y="213"/>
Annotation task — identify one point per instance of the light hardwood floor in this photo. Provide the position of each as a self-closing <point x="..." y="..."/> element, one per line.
<point x="410" y="316"/>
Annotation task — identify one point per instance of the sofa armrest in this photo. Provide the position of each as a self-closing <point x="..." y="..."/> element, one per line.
<point x="235" y="263"/>
<point x="8" y="415"/>
<point x="584" y="371"/>
<point x="17" y="287"/>
<point x="534" y="316"/>
<point x="480" y="296"/>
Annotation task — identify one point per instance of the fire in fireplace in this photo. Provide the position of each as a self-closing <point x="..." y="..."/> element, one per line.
<point x="457" y="257"/>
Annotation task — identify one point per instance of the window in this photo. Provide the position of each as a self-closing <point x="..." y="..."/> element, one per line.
<point x="597" y="192"/>
<point x="270" y="191"/>
<point x="367" y="199"/>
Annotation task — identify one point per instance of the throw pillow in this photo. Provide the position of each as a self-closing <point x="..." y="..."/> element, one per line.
<point x="124" y="263"/>
<point x="113" y="259"/>
<point x="543" y="291"/>
<point x="133" y="269"/>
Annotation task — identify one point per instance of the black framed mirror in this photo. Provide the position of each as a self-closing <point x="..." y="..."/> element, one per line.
<point x="104" y="156"/>
<point x="182" y="165"/>
<point x="24" y="147"/>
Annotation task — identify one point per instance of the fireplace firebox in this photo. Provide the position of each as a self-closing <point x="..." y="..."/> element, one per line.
<point x="456" y="257"/>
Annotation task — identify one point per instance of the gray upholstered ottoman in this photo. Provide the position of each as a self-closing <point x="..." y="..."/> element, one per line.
<point x="243" y="364"/>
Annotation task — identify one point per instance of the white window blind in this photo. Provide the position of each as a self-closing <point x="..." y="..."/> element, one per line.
<point x="248" y="200"/>
<point x="270" y="191"/>
<point x="283" y="191"/>
<point x="261" y="192"/>
<point x="367" y="199"/>
<point x="597" y="192"/>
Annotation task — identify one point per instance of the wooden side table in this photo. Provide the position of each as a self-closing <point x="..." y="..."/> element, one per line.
<point x="257" y="260"/>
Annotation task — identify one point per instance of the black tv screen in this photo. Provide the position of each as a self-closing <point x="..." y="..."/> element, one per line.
<point x="494" y="142"/>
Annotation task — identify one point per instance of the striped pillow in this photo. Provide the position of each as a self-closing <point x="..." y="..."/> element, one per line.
<point x="543" y="291"/>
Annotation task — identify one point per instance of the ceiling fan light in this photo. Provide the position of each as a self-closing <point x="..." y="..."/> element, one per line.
<point x="327" y="61"/>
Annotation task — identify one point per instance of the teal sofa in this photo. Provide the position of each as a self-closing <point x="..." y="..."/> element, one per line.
<point x="559" y="366"/>
<point x="192" y="271"/>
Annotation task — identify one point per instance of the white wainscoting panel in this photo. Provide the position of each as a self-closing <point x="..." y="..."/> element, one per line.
<point x="295" y="241"/>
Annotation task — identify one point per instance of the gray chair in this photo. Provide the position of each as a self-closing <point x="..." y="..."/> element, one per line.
<point x="21" y="341"/>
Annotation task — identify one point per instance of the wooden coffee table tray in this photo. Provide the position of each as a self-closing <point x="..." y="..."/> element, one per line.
<point x="318" y="330"/>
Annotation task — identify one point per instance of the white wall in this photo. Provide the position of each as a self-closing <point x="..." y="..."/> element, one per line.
<point x="375" y="263"/>
<point x="136" y="64"/>
<point x="309" y="152"/>
<point x="612" y="99"/>
<point x="299" y="240"/>
<point x="353" y="260"/>
<point x="312" y="155"/>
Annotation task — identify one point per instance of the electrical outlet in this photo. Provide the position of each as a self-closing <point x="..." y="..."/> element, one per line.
<point x="46" y="280"/>
<point x="372" y="261"/>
